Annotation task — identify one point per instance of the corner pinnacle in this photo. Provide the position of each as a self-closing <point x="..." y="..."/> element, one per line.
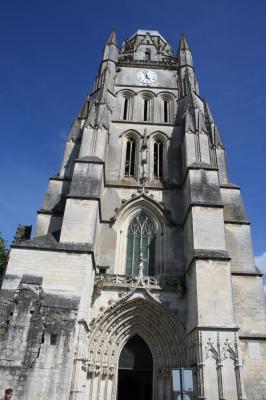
<point x="112" y="38"/>
<point x="183" y="45"/>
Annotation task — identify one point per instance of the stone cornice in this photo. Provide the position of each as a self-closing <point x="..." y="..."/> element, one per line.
<point x="235" y="222"/>
<point x="49" y="243"/>
<point x="59" y="178"/>
<point x="215" y="328"/>
<point x="251" y="336"/>
<point x="145" y="123"/>
<point x="229" y="186"/>
<point x="205" y="254"/>
<point x="89" y="160"/>
<point x="247" y="273"/>
<point x="149" y="87"/>
<point x="49" y="212"/>
<point x="148" y="64"/>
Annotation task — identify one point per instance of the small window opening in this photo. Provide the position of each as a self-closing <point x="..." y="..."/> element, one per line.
<point x="125" y="114"/>
<point x="165" y="109"/>
<point x="158" y="159"/>
<point x="42" y="339"/>
<point x="147" y="55"/>
<point x="103" y="269"/>
<point x="53" y="339"/>
<point x="146" y="107"/>
<point x="130" y="158"/>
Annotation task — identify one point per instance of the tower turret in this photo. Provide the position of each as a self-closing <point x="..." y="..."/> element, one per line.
<point x="186" y="70"/>
<point x="111" y="48"/>
<point x="184" y="52"/>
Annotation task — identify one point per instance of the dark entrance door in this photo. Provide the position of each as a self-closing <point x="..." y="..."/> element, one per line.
<point x="135" y="371"/>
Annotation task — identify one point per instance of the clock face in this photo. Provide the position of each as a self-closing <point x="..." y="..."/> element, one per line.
<point x="147" y="76"/>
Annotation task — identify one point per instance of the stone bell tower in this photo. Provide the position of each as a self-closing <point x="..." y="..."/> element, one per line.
<point x="141" y="259"/>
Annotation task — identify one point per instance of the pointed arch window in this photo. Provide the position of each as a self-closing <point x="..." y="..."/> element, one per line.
<point x="126" y="105"/>
<point x="125" y="111"/>
<point x="141" y="243"/>
<point x="130" y="157"/>
<point x="166" y="111"/>
<point x="147" y="107"/>
<point x="167" y="105"/>
<point x="157" y="159"/>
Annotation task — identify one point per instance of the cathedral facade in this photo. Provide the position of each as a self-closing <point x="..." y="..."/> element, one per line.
<point x="141" y="261"/>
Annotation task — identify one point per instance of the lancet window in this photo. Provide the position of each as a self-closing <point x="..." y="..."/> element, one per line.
<point x="141" y="246"/>
<point x="125" y="110"/>
<point x="130" y="162"/>
<point x="147" y="110"/>
<point x="127" y="99"/>
<point x="167" y="107"/>
<point x="157" y="159"/>
<point x="166" y="111"/>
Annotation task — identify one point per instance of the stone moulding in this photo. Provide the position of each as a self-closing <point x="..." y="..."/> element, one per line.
<point x="135" y="315"/>
<point x="169" y="63"/>
<point x="148" y="282"/>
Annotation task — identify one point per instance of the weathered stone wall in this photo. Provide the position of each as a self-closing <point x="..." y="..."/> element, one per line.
<point x="254" y="368"/>
<point x="249" y="304"/>
<point x="37" y="340"/>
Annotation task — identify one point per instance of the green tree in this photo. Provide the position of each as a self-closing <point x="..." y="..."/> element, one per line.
<point x="3" y="256"/>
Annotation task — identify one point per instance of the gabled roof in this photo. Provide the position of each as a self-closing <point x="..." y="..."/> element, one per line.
<point x="143" y="32"/>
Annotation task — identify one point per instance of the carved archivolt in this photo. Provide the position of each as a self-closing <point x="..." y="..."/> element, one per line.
<point x="130" y="316"/>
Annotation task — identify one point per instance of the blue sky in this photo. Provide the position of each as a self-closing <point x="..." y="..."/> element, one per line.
<point x="50" y="52"/>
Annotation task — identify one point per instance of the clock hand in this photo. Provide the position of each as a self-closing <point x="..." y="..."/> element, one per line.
<point x="146" y="75"/>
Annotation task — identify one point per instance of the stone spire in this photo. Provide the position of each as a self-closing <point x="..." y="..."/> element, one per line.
<point x="184" y="53"/>
<point x="111" y="48"/>
<point x="101" y="102"/>
<point x="187" y="75"/>
<point x="112" y="39"/>
<point x="183" y="45"/>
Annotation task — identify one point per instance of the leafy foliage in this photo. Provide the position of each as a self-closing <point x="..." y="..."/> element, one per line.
<point x="3" y="256"/>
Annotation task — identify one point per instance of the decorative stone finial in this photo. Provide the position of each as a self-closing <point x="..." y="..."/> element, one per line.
<point x="112" y="38"/>
<point x="183" y="45"/>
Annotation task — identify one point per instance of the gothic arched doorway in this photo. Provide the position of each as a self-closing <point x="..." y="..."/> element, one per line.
<point x="135" y="371"/>
<point x="135" y="314"/>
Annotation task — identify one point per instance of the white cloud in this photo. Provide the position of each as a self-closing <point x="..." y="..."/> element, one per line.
<point x="261" y="262"/>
